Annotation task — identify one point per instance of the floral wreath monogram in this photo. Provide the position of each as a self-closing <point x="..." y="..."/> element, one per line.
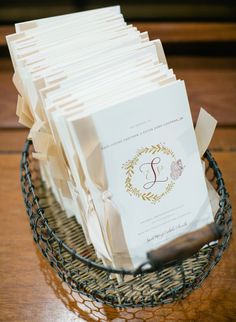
<point x="176" y="169"/>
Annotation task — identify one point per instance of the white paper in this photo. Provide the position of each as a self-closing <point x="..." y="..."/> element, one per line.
<point x="179" y="204"/>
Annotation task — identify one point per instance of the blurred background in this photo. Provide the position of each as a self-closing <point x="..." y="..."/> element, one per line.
<point x="162" y="10"/>
<point x="199" y="39"/>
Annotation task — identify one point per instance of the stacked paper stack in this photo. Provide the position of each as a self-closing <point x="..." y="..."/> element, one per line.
<point x="112" y="130"/>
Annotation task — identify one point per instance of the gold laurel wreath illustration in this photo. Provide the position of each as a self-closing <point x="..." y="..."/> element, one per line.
<point x="129" y="168"/>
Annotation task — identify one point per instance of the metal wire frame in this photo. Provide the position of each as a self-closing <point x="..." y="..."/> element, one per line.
<point x="84" y="273"/>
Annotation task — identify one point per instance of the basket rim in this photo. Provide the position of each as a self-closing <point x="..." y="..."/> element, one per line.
<point x="88" y="262"/>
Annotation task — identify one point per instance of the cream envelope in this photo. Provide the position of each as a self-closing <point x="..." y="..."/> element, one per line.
<point x="75" y="110"/>
<point x="52" y="39"/>
<point x="18" y="37"/>
<point x="67" y="85"/>
<point x="86" y="65"/>
<point x="102" y="59"/>
<point x="117" y="51"/>
<point x="83" y="44"/>
<point x="82" y="82"/>
<point x="87" y="68"/>
<point x="97" y="102"/>
<point x="103" y="49"/>
<point x="71" y="109"/>
<point x="108" y="9"/>
<point x="64" y="32"/>
<point x="83" y="55"/>
<point x="110" y="90"/>
<point x="92" y="94"/>
<point x="45" y="23"/>
<point x="86" y="62"/>
<point x="80" y="100"/>
<point x="33" y="91"/>
<point x="36" y="33"/>
<point x="9" y="46"/>
<point x="135" y="87"/>
<point x="27" y="60"/>
<point x="68" y="70"/>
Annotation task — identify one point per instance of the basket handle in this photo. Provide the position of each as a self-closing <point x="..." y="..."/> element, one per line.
<point x="184" y="246"/>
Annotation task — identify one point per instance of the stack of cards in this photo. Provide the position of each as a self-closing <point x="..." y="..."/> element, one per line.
<point x="112" y="129"/>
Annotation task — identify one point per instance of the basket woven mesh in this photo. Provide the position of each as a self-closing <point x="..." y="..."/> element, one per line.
<point x="62" y="242"/>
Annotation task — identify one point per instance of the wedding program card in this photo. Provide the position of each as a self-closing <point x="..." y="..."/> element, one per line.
<point x="153" y="168"/>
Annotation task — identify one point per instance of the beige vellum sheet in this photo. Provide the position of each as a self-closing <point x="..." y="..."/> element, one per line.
<point x="77" y="198"/>
<point x="204" y="131"/>
<point x="93" y="226"/>
<point x="18" y="84"/>
<point x="83" y="211"/>
<point x="112" y="225"/>
<point x="24" y="120"/>
<point x="160" y="51"/>
<point x="19" y="106"/>
<point x="44" y="144"/>
<point x="39" y="156"/>
<point x="47" y="150"/>
<point x="44" y="174"/>
<point x="25" y="108"/>
<point x="20" y="112"/>
<point x="213" y="196"/>
<point x="42" y="141"/>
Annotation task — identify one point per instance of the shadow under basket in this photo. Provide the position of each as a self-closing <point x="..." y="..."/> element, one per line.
<point x="61" y="240"/>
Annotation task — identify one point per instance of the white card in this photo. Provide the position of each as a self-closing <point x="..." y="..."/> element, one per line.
<point x="149" y="151"/>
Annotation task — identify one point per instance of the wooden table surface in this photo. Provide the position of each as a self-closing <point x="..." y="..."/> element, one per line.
<point x="29" y="289"/>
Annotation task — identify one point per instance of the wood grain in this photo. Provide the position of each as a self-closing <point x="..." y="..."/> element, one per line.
<point x="210" y="83"/>
<point x="8" y="101"/>
<point x="224" y="139"/>
<point x="30" y="291"/>
<point x="12" y="140"/>
<point x="189" y="31"/>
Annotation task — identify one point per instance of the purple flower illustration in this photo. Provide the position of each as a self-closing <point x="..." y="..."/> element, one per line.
<point x="176" y="169"/>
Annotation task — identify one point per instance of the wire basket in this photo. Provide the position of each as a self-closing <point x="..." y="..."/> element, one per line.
<point x="62" y="242"/>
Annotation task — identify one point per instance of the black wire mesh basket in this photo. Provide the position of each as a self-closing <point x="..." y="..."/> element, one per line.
<point x="62" y="242"/>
